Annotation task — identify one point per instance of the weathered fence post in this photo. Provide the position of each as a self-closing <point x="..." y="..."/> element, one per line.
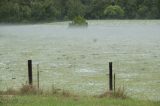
<point x="38" y="76"/>
<point x="110" y="77"/>
<point x="114" y="82"/>
<point x="30" y="71"/>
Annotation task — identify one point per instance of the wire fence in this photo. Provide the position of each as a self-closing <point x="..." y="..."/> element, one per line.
<point x="90" y="78"/>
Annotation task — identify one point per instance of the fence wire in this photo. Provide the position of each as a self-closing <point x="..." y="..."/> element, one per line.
<point x="91" y="78"/>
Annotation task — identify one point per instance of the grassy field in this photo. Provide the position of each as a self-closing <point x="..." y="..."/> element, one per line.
<point x="71" y="101"/>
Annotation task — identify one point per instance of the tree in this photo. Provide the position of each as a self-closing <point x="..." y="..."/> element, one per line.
<point x="142" y="11"/>
<point x="37" y="11"/>
<point x="114" y="12"/>
<point x="148" y="9"/>
<point x="25" y="13"/>
<point x="9" y="11"/>
<point x="75" y="8"/>
<point x="79" y="21"/>
<point x="129" y="7"/>
<point x="97" y="9"/>
<point x="50" y="10"/>
<point x="158" y="5"/>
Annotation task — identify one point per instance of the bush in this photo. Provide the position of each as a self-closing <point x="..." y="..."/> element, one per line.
<point x="114" y="12"/>
<point x="118" y="93"/>
<point x="79" y="21"/>
<point x="28" y="89"/>
<point x="9" y="91"/>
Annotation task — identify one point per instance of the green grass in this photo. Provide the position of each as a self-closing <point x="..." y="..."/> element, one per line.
<point x="35" y="100"/>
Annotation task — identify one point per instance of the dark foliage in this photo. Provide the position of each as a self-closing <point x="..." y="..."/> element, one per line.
<point x="58" y="10"/>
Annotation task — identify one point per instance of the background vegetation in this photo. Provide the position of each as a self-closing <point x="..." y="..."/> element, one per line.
<point x="59" y="10"/>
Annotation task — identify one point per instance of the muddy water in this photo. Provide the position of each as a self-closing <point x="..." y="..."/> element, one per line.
<point x="77" y="59"/>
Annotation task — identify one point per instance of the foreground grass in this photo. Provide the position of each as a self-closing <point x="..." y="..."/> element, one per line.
<point x="35" y="100"/>
<point x="30" y="96"/>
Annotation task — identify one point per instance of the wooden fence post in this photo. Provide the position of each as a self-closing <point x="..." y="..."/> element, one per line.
<point x="30" y="71"/>
<point x="114" y="82"/>
<point x="38" y="76"/>
<point x="110" y="77"/>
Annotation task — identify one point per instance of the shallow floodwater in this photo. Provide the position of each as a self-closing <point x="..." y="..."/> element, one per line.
<point x="76" y="59"/>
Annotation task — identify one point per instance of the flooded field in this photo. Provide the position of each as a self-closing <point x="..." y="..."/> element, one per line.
<point x="76" y="59"/>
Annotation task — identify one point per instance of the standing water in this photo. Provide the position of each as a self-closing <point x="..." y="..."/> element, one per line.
<point x="76" y="59"/>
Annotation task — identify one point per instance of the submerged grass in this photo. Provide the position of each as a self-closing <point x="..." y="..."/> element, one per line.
<point x="32" y="90"/>
<point x="118" y="93"/>
<point x="31" y="96"/>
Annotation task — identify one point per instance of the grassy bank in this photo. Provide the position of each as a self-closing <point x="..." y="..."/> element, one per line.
<point x="31" y="100"/>
<point x="30" y="96"/>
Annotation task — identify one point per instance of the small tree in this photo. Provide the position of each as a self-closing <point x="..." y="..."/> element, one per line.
<point x="74" y="8"/>
<point x="142" y="11"/>
<point x="114" y="12"/>
<point x="79" y="21"/>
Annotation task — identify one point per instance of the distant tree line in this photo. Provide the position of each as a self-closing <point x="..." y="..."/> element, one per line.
<point x="59" y="10"/>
